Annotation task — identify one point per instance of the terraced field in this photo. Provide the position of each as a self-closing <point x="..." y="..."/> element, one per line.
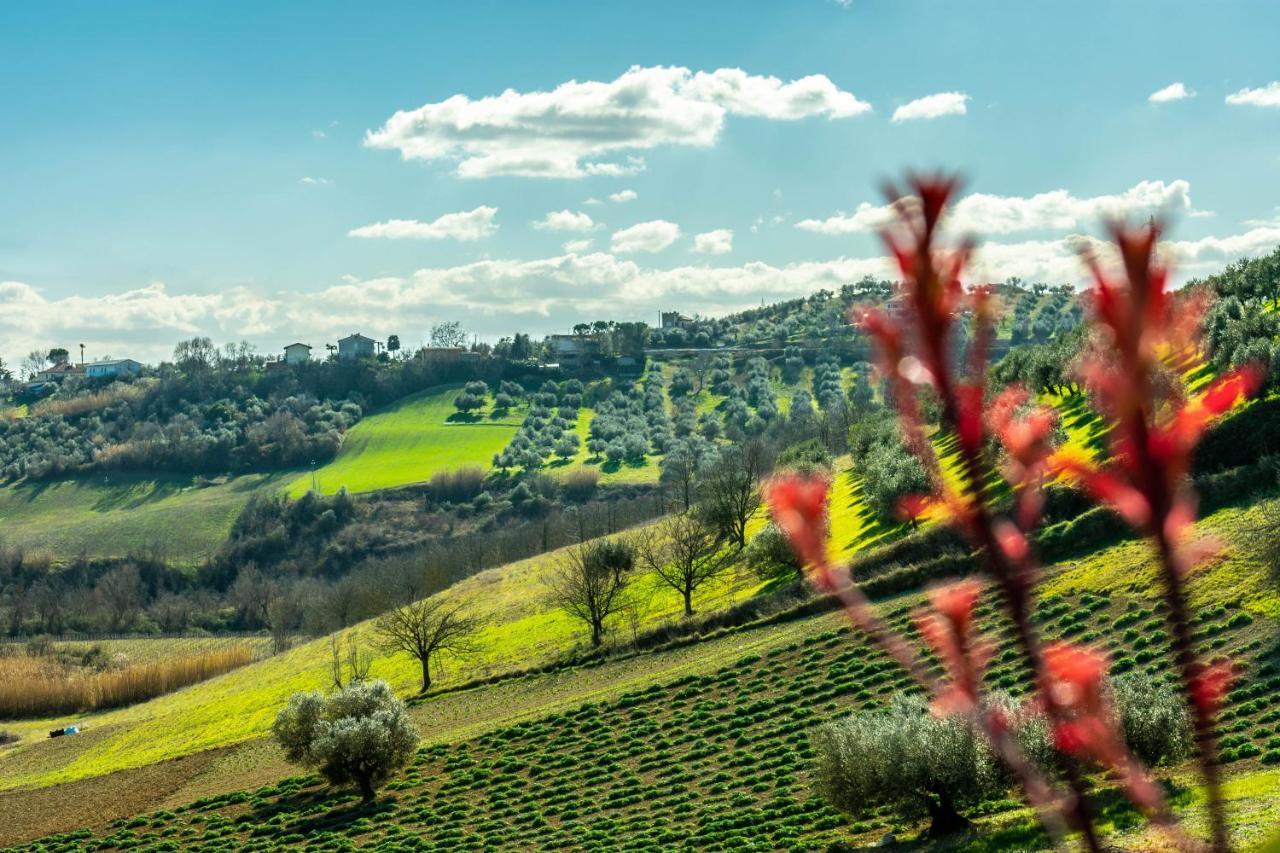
<point x="718" y="759"/>
<point x="109" y="515"/>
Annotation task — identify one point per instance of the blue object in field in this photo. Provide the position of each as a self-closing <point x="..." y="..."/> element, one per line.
<point x="67" y="730"/>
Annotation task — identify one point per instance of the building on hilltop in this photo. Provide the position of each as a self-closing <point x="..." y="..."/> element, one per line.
<point x="297" y="354"/>
<point x="674" y="320"/>
<point x="574" y="350"/>
<point x="355" y="346"/>
<point x="112" y="367"/>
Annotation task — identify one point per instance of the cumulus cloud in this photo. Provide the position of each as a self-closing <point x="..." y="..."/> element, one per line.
<point x="716" y="242"/>
<point x="565" y="220"/>
<point x="1056" y="210"/>
<point x="1172" y="92"/>
<point x="623" y="196"/>
<point x="498" y="296"/>
<point x="577" y="247"/>
<point x="932" y="106"/>
<point x="597" y="127"/>
<point x="466" y="226"/>
<point x="315" y="182"/>
<point x="1266" y="96"/>
<point x="651" y="236"/>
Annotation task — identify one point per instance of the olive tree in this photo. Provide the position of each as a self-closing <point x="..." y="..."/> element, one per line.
<point x="906" y="758"/>
<point x="360" y="734"/>
<point x="1152" y="717"/>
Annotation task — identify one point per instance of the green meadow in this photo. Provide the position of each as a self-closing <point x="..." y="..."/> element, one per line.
<point x="111" y="515"/>
<point x="408" y="442"/>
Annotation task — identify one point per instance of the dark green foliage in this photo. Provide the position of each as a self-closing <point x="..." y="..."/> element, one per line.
<point x="905" y="757"/>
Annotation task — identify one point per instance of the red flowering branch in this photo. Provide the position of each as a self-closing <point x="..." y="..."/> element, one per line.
<point x="799" y="507"/>
<point x="1142" y="342"/>
<point x="918" y="346"/>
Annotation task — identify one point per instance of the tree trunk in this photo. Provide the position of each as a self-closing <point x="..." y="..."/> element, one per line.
<point x="596" y="630"/>
<point x="944" y="819"/>
<point x="688" y="602"/>
<point x="366" y="788"/>
<point x="426" y="674"/>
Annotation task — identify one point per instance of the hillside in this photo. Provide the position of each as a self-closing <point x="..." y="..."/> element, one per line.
<point x="177" y="517"/>
<point x="407" y="442"/>
<point x="705" y="745"/>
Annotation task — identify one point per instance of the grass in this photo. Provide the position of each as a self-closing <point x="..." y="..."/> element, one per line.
<point x="521" y="630"/>
<point x="410" y="440"/>
<point x="110" y="515"/>
<point x="710" y="753"/>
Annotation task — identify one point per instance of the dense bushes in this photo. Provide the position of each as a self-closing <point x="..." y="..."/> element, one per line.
<point x="905" y="757"/>
<point x="198" y="435"/>
<point x="920" y="764"/>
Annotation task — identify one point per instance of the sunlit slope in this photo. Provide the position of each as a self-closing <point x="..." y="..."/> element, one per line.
<point x="410" y="441"/>
<point x="521" y="629"/>
<point x="111" y="515"/>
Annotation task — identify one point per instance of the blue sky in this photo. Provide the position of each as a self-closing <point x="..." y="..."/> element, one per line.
<point x="178" y="169"/>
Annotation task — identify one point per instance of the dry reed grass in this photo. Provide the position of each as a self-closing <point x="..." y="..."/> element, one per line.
<point x="40" y="686"/>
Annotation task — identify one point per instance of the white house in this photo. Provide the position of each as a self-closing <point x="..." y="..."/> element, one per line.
<point x="297" y="354"/>
<point x="355" y="346"/>
<point x="113" y="367"/>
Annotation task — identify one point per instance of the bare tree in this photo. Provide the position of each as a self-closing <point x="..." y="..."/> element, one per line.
<point x="426" y="630"/>
<point x="284" y="611"/>
<point x="730" y="487"/>
<point x="119" y="593"/>
<point x="588" y="581"/>
<point x="684" y="552"/>
<point x="350" y="665"/>
<point x="680" y="472"/>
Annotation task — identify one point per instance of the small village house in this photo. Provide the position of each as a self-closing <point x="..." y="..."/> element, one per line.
<point x="112" y="367"/>
<point x="355" y="346"/>
<point x="297" y="353"/>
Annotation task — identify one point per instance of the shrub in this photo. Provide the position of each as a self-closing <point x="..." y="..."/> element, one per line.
<point x="1153" y="719"/>
<point x="360" y="734"/>
<point x="769" y="554"/>
<point x="581" y="484"/>
<point x="906" y="758"/>
<point x="457" y="486"/>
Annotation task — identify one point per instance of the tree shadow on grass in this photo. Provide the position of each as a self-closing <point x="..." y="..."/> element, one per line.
<point x="464" y="418"/>
<point x="345" y="809"/>
<point x="614" y="466"/>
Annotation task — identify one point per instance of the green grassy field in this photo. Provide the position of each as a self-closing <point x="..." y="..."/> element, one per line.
<point x="409" y="441"/>
<point x="108" y="515"/>
<point x="708" y="747"/>
<point x="521" y="629"/>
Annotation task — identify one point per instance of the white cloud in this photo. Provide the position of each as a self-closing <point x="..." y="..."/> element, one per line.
<point x="716" y="242"/>
<point x="565" y="220"/>
<point x="622" y="196"/>
<point x="577" y="247"/>
<point x="1267" y="96"/>
<point x="583" y="128"/>
<point x="498" y="296"/>
<point x="318" y="134"/>
<point x="867" y="217"/>
<point x="932" y="106"/>
<point x="651" y="236"/>
<point x="468" y="225"/>
<point x="1056" y="210"/>
<point x="1172" y="92"/>
<point x="315" y="182"/>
